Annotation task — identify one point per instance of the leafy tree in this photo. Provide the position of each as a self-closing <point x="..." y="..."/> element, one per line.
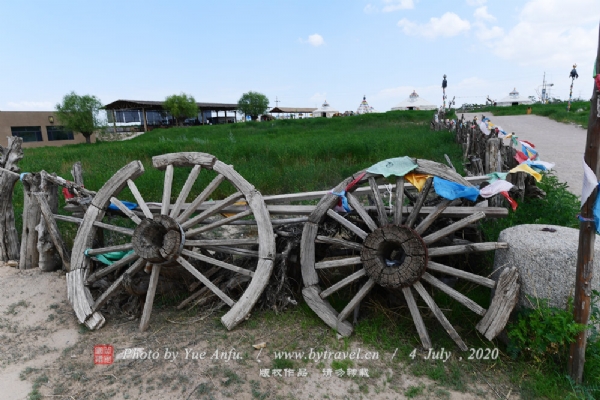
<point x="181" y="106"/>
<point x="80" y="114"/>
<point x="253" y="104"/>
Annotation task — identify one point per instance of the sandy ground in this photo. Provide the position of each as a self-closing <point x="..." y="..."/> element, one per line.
<point x="45" y="353"/>
<point x="557" y="142"/>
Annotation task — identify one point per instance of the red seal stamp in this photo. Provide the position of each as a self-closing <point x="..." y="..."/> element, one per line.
<point x="104" y="354"/>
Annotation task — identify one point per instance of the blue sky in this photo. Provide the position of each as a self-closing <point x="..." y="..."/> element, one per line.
<point x="301" y="52"/>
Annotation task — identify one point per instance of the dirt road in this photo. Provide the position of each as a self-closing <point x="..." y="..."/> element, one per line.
<point x="556" y="142"/>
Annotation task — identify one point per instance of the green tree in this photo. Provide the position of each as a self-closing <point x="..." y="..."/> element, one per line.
<point x="80" y="114"/>
<point x="181" y="106"/>
<point x="253" y="104"/>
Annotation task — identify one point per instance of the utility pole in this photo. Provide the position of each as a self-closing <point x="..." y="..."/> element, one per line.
<point x="587" y="236"/>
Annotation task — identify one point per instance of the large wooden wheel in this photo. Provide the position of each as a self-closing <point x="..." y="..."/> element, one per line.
<point x="392" y="246"/>
<point x="167" y="235"/>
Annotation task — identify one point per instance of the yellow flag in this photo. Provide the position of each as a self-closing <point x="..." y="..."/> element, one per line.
<point x="527" y="169"/>
<point x="417" y="179"/>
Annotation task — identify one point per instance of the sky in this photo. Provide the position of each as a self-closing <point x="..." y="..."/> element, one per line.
<point x="297" y="53"/>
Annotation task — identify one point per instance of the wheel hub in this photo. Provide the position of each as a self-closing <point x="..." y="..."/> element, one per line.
<point x="394" y="256"/>
<point x="159" y="240"/>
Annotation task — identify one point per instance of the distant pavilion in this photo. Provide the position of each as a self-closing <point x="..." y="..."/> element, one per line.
<point x="152" y="113"/>
<point x="293" y="112"/>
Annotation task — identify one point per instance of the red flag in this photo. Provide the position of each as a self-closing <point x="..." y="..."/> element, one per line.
<point x="513" y="203"/>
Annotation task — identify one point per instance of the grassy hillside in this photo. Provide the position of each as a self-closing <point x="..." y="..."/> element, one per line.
<point x="579" y="113"/>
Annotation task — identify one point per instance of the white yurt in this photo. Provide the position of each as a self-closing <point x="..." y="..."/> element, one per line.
<point x="325" y="111"/>
<point x="365" y="108"/>
<point x="513" y="99"/>
<point x="414" y="102"/>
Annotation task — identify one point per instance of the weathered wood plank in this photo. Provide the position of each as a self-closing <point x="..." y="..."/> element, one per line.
<point x="466" y="249"/>
<point x="343" y="262"/>
<point x="339" y="242"/>
<point x="150" y="294"/>
<point x="343" y="283"/>
<point x="464" y="300"/>
<point x="416" y="315"/>
<point x="361" y="294"/>
<point x="217" y="263"/>
<point x="440" y="316"/>
<point x="435" y="236"/>
<point x="480" y="280"/>
<point x="183" y="159"/>
<point x="226" y="299"/>
<point x="381" y="212"/>
<point x="504" y="301"/>
<point x="185" y="191"/>
<point x="324" y="310"/>
<point x="343" y="221"/>
<point x="354" y="203"/>
<point x="221" y="242"/>
<point x="307" y="254"/>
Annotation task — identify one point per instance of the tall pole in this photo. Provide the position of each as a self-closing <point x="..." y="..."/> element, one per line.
<point x="444" y="85"/>
<point x="587" y="235"/>
<point x="573" y="76"/>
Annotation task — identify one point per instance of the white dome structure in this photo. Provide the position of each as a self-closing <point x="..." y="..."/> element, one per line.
<point x="513" y="99"/>
<point x="365" y="108"/>
<point x="414" y="102"/>
<point x="325" y="111"/>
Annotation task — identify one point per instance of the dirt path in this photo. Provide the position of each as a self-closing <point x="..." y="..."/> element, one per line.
<point x="557" y="142"/>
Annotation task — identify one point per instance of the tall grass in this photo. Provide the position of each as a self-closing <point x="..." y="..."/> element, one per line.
<point x="579" y="114"/>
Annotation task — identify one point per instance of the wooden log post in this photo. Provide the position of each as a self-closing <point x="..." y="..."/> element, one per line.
<point x="29" y="256"/>
<point x="9" y="175"/>
<point x="587" y="236"/>
<point x="47" y="202"/>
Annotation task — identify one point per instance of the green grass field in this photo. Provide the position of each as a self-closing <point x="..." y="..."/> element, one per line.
<point x="579" y="113"/>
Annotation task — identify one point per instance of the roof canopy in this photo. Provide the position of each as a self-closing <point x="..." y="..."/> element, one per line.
<point x="414" y="102"/>
<point x="514" y="98"/>
<point x="292" y="110"/>
<point x="158" y="105"/>
<point x="365" y="108"/>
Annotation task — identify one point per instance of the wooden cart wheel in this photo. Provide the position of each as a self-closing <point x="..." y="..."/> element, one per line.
<point x="175" y="234"/>
<point x="392" y="247"/>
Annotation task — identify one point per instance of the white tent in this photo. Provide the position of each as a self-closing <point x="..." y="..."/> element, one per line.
<point x="365" y="108"/>
<point x="513" y="99"/>
<point x="414" y="102"/>
<point x="325" y="111"/>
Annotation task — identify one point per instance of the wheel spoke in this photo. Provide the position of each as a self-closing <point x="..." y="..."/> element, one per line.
<point x="430" y="219"/>
<point x="398" y="200"/>
<point x="440" y="315"/>
<point x="466" y="249"/>
<point x="138" y="265"/>
<point x="166" y="199"/>
<point x="464" y="300"/>
<point x="221" y="242"/>
<point x="117" y="203"/>
<point x="343" y="221"/>
<point x="217" y="263"/>
<point x="343" y="283"/>
<point x="434" y="237"/>
<point x="109" y="249"/>
<point x="354" y="302"/>
<point x="354" y="203"/>
<point x="205" y="280"/>
<point x="218" y="206"/>
<point x="480" y="280"/>
<point x="221" y="222"/>
<point x="110" y="268"/>
<point x="234" y="251"/>
<point x="150" y="293"/>
<point x="339" y="242"/>
<point x="381" y="213"/>
<point x="412" y="218"/>
<point x="138" y="197"/>
<point x="78" y="221"/>
<point x="338" y="263"/>
<point x="185" y="191"/>
<point x="416" y="315"/>
<point x="201" y="197"/>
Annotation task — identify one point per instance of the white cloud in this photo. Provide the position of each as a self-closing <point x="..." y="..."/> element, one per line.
<point x="481" y="14"/>
<point x="31" y="105"/>
<point x="395" y="5"/>
<point x="370" y="9"/>
<point x="476" y="3"/>
<point x="447" y="25"/>
<point x="548" y="32"/>
<point x="314" y="40"/>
